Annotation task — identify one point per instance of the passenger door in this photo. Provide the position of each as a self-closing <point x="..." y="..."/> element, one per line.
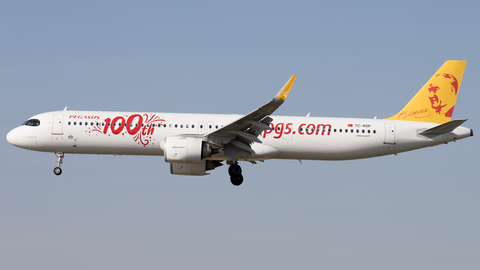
<point x="390" y="133"/>
<point x="57" y="124"/>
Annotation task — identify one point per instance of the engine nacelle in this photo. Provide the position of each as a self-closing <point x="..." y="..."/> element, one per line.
<point x="185" y="150"/>
<point x="199" y="168"/>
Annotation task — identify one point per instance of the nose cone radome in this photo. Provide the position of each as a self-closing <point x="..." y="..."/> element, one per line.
<point x="11" y="137"/>
<point x="16" y="138"/>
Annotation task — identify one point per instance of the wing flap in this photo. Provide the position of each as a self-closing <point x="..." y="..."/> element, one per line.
<point x="246" y="135"/>
<point x="242" y="146"/>
<point x="258" y="124"/>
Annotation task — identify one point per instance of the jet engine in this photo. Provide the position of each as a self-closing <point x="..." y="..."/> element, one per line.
<point x="194" y="168"/>
<point x="186" y="150"/>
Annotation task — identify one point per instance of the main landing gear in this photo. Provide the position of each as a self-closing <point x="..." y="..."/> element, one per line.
<point x="235" y="172"/>
<point x="57" y="170"/>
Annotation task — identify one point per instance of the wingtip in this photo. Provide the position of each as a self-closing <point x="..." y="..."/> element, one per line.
<point x="286" y="88"/>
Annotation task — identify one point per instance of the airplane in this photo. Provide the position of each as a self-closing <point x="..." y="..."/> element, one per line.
<point x="196" y="143"/>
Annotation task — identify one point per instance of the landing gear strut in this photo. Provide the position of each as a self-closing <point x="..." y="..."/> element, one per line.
<point x="235" y="172"/>
<point x="57" y="170"/>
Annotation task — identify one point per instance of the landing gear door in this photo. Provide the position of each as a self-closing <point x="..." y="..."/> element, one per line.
<point x="57" y="124"/>
<point x="390" y="133"/>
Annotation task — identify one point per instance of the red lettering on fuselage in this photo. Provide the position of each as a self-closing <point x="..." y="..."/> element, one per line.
<point x="141" y="127"/>
<point x="280" y="129"/>
<point x="268" y="131"/>
<point x="92" y="117"/>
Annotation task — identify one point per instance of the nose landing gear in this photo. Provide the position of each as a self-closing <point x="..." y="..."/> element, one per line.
<point x="235" y="172"/>
<point x="57" y="170"/>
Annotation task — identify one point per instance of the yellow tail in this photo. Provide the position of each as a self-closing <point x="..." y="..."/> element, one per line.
<point x="436" y="99"/>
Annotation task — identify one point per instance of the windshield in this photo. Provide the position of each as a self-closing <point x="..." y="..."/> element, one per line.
<point x="32" y="122"/>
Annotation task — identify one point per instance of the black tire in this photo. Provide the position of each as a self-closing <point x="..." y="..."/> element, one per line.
<point x="236" y="180"/>
<point x="57" y="170"/>
<point x="234" y="170"/>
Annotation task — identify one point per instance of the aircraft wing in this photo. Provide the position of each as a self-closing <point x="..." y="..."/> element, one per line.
<point x="245" y="130"/>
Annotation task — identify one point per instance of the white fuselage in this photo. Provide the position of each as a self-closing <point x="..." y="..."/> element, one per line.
<point x="304" y="138"/>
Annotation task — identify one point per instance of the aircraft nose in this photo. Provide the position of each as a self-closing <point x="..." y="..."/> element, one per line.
<point x="11" y="137"/>
<point x="14" y="137"/>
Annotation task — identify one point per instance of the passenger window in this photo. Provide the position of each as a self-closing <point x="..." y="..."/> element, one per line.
<point x="79" y="123"/>
<point x="74" y="123"/>
<point x="193" y="126"/>
<point x="176" y="125"/>
<point x="363" y="130"/>
<point x="216" y="127"/>
<point x="181" y="125"/>
<point x="201" y="126"/>
<point x="374" y="132"/>
<point x="368" y="131"/>
<point x="69" y="123"/>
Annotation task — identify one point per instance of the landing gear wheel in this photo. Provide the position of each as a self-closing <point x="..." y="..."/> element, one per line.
<point x="236" y="180"/>
<point x="235" y="170"/>
<point x="57" y="170"/>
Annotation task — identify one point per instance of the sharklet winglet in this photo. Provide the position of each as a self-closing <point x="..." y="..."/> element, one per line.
<point x="283" y="93"/>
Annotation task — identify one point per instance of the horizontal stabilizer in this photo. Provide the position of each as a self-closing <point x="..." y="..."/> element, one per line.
<point x="443" y="128"/>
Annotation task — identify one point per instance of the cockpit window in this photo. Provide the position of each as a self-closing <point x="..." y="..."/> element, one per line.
<point x="32" y="122"/>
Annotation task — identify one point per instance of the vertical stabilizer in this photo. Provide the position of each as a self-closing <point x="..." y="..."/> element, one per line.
<point x="436" y="99"/>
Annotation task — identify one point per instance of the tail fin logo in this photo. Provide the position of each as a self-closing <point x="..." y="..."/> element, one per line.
<point x="435" y="101"/>
<point x="438" y="95"/>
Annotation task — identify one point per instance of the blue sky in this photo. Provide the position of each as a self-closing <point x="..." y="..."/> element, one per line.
<point x="416" y="210"/>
